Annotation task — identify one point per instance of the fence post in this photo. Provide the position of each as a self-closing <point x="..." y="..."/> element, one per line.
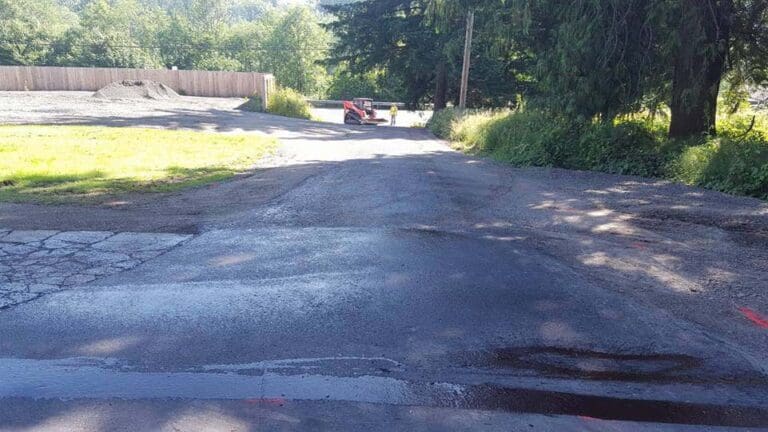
<point x="266" y="85"/>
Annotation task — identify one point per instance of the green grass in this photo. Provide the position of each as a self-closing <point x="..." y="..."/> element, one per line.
<point x="736" y="161"/>
<point x="59" y="164"/>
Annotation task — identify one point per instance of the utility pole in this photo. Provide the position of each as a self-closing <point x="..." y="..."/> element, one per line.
<point x="465" y="65"/>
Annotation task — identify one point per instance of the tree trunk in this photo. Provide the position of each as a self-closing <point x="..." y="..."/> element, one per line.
<point x="703" y="35"/>
<point x="441" y="87"/>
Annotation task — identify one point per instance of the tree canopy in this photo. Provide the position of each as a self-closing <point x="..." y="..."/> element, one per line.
<point x="608" y="57"/>
<point x="26" y="26"/>
<point x="589" y="59"/>
<point x="422" y="51"/>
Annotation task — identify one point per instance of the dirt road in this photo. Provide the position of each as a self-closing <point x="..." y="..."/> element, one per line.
<point x="399" y="273"/>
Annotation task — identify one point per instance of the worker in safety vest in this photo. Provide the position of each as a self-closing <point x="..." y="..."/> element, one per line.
<point x="393" y="114"/>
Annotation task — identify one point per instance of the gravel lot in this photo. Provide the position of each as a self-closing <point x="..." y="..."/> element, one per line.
<point x="74" y="107"/>
<point x="82" y="107"/>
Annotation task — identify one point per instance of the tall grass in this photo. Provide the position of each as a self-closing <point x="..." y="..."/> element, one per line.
<point x="736" y="161"/>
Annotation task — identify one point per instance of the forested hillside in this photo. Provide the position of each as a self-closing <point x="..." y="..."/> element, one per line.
<point x="286" y="39"/>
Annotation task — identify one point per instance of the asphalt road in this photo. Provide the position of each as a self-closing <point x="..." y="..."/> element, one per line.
<point x="377" y="281"/>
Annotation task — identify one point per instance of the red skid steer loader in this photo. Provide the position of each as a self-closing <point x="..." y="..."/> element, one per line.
<point x="360" y="111"/>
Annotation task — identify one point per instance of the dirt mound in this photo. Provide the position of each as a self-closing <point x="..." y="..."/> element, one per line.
<point x="143" y="89"/>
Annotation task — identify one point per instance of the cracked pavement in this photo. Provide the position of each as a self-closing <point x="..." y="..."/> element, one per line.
<point x="38" y="262"/>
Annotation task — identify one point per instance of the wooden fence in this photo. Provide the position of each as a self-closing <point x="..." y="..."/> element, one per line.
<point x="186" y="82"/>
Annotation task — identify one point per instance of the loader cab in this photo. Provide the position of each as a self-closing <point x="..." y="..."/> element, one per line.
<point x="364" y="104"/>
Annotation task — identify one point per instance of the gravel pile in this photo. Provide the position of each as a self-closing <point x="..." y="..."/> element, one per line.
<point x="142" y="89"/>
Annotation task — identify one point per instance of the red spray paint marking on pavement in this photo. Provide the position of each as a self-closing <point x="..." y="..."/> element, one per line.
<point x="754" y="317"/>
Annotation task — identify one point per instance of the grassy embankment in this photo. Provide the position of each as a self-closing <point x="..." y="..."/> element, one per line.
<point x="736" y="161"/>
<point x="56" y="164"/>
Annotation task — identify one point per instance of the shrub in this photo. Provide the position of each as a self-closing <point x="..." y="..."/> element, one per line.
<point x="442" y="121"/>
<point x="726" y="164"/>
<point x="627" y="147"/>
<point x="289" y="103"/>
<point x="735" y="162"/>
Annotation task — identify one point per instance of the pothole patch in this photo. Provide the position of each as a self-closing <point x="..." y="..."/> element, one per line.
<point x="587" y="364"/>
<point x="38" y="262"/>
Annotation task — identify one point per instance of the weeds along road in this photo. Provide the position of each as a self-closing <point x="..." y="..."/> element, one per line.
<point x="372" y="277"/>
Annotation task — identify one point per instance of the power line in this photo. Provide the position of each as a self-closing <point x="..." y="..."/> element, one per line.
<point x="205" y="47"/>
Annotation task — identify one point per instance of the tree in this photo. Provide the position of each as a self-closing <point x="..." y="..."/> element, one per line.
<point x="420" y="44"/>
<point x="196" y="45"/>
<point x="375" y="83"/>
<point x="713" y="38"/>
<point x="585" y="58"/>
<point x="703" y="40"/>
<point x="117" y="34"/>
<point x="207" y="16"/>
<point x="250" y="10"/>
<point x="499" y="68"/>
<point x="28" y="26"/>
<point x="390" y="35"/>
<point x="602" y="58"/>
<point x="293" y="50"/>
